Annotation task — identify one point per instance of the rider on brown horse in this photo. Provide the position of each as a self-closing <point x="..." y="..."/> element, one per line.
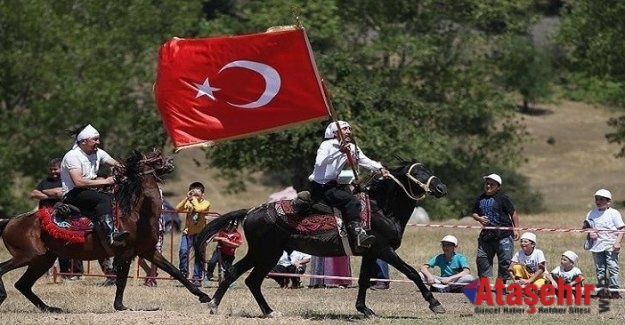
<point x="79" y="170"/>
<point x="332" y="156"/>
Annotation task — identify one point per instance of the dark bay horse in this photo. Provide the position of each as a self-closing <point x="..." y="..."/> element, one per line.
<point x="393" y="200"/>
<point x="140" y="202"/>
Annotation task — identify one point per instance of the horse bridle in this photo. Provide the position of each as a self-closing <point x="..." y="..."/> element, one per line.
<point x="409" y="192"/>
<point x="164" y="163"/>
<point x="153" y="171"/>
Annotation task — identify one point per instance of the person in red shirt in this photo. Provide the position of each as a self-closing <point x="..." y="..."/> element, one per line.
<point x="228" y="240"/>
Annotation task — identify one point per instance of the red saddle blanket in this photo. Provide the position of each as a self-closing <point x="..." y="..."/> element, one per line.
<point x="72" y="230"/>
<point x="315" y="223"/>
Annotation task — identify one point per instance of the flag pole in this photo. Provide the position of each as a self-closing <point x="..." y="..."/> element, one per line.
<point x="350" y="159"/>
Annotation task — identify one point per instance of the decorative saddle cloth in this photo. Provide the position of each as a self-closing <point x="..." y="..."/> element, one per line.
<point x="72" y="228"/>
<point x="316" y="222"/>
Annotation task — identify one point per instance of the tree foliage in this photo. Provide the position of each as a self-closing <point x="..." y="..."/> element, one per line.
<point x="592" y="33"/>
<point x="526" y="68"/>
<point x="67" y="63"/>
<point x="416" y="79"/>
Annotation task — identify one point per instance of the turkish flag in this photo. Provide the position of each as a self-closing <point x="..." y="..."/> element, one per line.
<point x="214" y="89"/>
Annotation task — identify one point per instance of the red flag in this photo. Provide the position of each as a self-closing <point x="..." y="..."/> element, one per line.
<point x="220" y="88"/>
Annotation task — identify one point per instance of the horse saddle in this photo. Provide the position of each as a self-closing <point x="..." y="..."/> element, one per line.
<point x="69" y="216"/>
<point x="308" y="217"/>
<point x="304" y="204"/>
<point x="72" y="230"/>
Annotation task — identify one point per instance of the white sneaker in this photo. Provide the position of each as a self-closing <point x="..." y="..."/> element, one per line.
<point x="441" y="287"/>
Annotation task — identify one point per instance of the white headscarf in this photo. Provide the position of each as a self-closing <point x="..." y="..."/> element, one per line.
<point x="331" y="129"/>
<point x="87" y="133"/>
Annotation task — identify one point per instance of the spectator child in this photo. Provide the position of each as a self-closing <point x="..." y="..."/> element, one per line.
<point x="605" y="245"/>
<point x="228" y="240"/>
<point x="195" y="206"/>
<point x="494" y="208"/>
<point x="528" y="264"/>
<point x="454" y="267"/>
<point x="567" y="271"/>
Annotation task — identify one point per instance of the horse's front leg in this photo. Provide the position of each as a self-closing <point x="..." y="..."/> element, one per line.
<point x="121" y="268"/>
<point x="163" y="264"/>
<point x="366" y="272"/>
<point x="393" y="259"/>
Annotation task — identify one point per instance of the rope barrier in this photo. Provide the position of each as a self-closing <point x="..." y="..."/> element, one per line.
<point x="443" y="226"/>
<point x="588" y="230"/>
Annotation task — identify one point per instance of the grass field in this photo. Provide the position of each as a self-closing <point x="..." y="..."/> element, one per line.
<point x="567" y="170"/>
<point x="86" y="302"/>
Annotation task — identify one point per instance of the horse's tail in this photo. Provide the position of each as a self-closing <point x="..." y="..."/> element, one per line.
<point x="3" y="224"/>
<point x="221" y="222"/>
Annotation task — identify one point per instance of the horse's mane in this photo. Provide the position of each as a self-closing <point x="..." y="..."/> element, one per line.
<point x="131" y="183"/>
<point x="378" y="184"/>
<point x="382" y="190"/>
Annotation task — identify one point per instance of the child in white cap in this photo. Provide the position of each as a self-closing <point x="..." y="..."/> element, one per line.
<point x="455" y="273"/>
<point x="567" y="271"/>
<point x="528" y="264"/>
<point x="604" y="244"/>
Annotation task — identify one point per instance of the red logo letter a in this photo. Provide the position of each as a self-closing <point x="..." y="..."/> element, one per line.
<point x="484" y="293"/>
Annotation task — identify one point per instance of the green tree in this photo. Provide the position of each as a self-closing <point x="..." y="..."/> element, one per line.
<point x="526" y="68"/>
<point x="592" y="34"/>
<point x="416" y="81"/>
<point x="67" y="63"/>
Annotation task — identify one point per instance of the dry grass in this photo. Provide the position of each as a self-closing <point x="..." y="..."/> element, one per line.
<point x="86" y="302"/>
<point x="567" y="172"/>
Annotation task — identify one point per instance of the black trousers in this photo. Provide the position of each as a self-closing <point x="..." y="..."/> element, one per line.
<point x="68" y="265"/>
<point x="90" y="202"/>
<point x="214" y="260"/>
<point x="338" y="197"/>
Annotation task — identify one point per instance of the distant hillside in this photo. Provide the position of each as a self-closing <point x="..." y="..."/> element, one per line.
<point x="568" y="159"/>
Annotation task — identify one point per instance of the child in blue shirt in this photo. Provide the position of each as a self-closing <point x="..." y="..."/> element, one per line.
<point x="455" y="273"/>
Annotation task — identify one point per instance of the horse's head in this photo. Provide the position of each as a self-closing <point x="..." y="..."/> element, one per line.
<point x="140" y="172"/>
<point x="417" y="180"/>
<point x="154" y="162"/>
<point x="160" y="164"/>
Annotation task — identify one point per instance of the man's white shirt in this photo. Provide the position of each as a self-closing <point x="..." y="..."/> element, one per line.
<point x="330" y="161"/>
<point x="78" y="159"/>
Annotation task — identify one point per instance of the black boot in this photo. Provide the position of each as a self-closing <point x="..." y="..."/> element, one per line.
<point x="359" y="236"/>
<point x="116" y="237"/>
<point x="302" y="203"/>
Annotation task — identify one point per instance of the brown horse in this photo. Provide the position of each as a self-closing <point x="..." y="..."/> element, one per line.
<point x="140" y="202"/>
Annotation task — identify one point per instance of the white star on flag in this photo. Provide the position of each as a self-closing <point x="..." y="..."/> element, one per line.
<point x="205" y="89"/>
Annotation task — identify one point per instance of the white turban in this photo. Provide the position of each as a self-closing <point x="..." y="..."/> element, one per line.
<point x="331" y="129"/>
<point x="87" y="133"/>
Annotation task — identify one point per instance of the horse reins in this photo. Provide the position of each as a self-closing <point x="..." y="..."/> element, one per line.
<point x="409" y="192"/>
<point x="152" y="170"/>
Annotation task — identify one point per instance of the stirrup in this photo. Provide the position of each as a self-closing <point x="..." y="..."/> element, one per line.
<point x="367" y="241"/>
<point x="119" y="236"/>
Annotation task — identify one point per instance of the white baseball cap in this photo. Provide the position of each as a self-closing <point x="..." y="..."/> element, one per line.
<point x="450" y="239"/>
<point x="529" y="236"/>
<point x="604" y="193"/>
<point x="571" y="256"/>
<point x="494" y="177"/>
